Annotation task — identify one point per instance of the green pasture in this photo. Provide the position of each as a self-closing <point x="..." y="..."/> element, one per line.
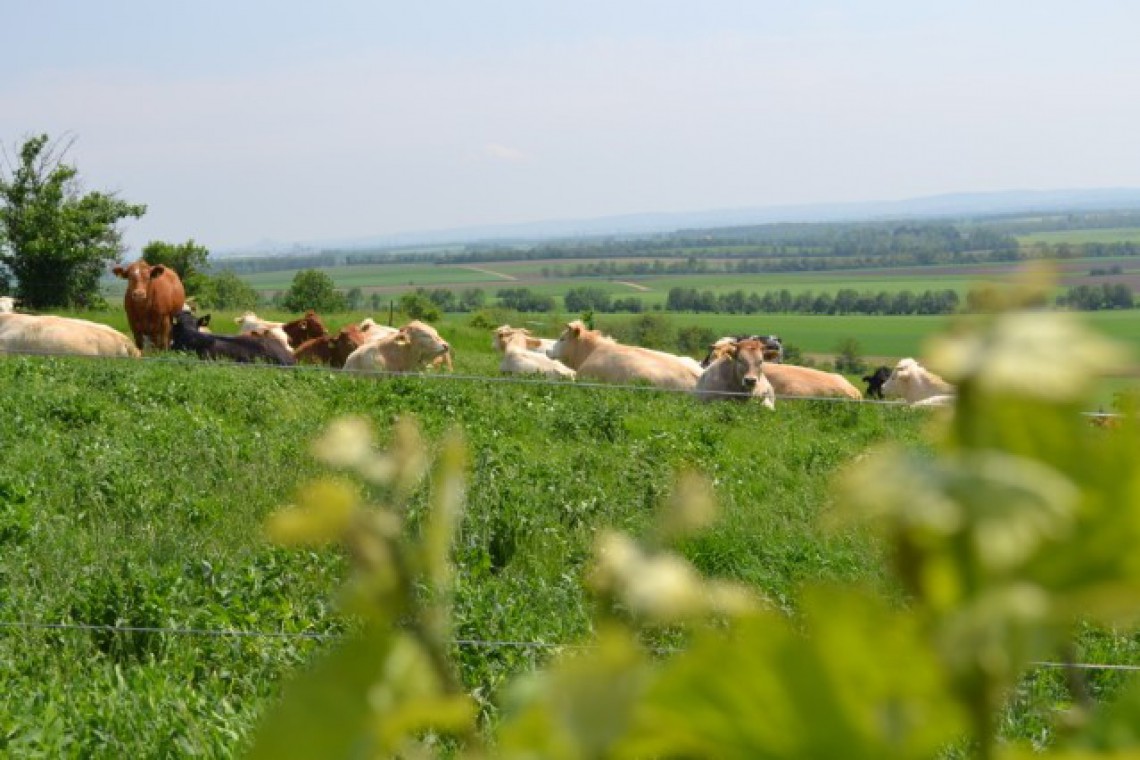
<point x="132" y="494"/>
<point x="376" y="276"/>
<point x="1106" y="235"/>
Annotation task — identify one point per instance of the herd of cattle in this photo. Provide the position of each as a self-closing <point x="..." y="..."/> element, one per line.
<point x="739" y="367"/>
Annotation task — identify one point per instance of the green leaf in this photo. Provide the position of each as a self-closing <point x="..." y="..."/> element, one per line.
<point x="325" y="713"/>
<point x="861" y="684"/>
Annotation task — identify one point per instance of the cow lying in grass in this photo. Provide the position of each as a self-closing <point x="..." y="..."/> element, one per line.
<point x="413" y="347"/>
<point x="29" y="334"/>
<point x="792" y="380"/>
<point x="373" y="332"/>
<point x="249" y="323"/>
<point x="773" y="347"/>
<point x="251" y="347"/>
<point x="304" y="328"/>
<point x="737" y="373"/>
<point x="916" y="384"/>
<point x="600" y="357"/>
<point x="519" y="359"/>
<point x="331" y="350"/>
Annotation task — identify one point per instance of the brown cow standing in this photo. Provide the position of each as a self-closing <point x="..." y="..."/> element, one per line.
<point x="154" y="296"/>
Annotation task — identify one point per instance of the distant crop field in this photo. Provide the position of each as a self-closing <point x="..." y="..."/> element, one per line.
<point x="1107" y="235"/>
<point x="393" y="280"/>
<point x="379" y="275"/>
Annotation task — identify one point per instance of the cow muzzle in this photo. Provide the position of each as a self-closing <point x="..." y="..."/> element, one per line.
<point x="749" y="381"/>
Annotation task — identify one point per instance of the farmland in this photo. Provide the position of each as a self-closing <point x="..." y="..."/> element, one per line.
<point x="133" y="493"/>
<point x="552" y="278"/>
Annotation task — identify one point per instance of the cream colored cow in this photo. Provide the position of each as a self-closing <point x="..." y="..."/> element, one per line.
<point x="519" y="359"/>
<point x="250" y="322"/>
<point x="917" y="385"/>
<point x="600" y="357"/>
<point x="414" y="346"/>
<point x="738" y="373"/>
<point x="25" y="333"/>
<point x="793" y="380"/>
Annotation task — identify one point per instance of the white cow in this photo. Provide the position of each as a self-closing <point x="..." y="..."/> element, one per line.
<point x="518" y="359"/>
<point x="250" y="322"/>
<point x="917" y="385"/>
<point x="600" y="357"/>
<point x="415" y="346"/>
<point x="25" y="333"/>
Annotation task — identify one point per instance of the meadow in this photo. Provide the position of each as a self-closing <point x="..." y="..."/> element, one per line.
<point x="133" y="494"/>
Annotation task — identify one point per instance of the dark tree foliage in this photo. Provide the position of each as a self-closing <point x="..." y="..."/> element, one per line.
<point x="313" y="289"/>
<point x="55" y="241"/>
<point x="523" y="299"/>
<point x="188" y="259"/>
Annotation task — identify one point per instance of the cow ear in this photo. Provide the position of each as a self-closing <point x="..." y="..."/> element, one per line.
<point x="203" y="321"/>
<point x="157" y="270"/>
<point x="119" y="272"/>
<point x="576" y="330"/>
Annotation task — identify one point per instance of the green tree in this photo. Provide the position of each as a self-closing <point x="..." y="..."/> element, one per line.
<point x="847" y="357"/>
<point x="419" y="306"/>
<point x="313" y="289"/>
<point x="355" y="298"/>
<point x="55" y="241"/>
<point x="187" y="259"/>
<point x="226" y="290"/>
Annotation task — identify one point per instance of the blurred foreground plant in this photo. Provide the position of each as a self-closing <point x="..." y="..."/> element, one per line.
<point x="1024" y="521"/>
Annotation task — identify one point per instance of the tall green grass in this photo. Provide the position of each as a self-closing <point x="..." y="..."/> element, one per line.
<point x="132" y="493"/>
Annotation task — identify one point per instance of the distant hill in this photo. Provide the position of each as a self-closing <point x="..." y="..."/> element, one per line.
<point x="955" y="204"/>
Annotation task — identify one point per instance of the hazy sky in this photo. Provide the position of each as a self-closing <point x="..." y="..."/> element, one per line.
<point x="239" y="120"/>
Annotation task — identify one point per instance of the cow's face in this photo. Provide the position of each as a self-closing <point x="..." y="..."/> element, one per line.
<point x="346" y="341"/>
<point x="747" y="361"/>
<point x="138" y="276"/>
<point x="507" y="335"/>
<point x="423" y="340"/>
<point x="566" y="342"/>
<point x="901" y="377"/>
<point x="184" y="326"/>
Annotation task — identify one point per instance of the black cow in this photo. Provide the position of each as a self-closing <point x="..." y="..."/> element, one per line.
<point x="773" y="348"/>
<point x="240" y="348"/>
<point x="875" y="382"/>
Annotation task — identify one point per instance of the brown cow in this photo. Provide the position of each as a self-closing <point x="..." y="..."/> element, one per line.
<point x="153" y="299"/>
<point x="738" y="373"/>
<point x="306" y="328"/>
<point x="332" y="351"/>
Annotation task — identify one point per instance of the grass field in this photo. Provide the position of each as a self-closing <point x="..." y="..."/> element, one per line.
<point x="393" y="280"/>
<point x="1107" y="235"/>
<point x="133" y="493"/>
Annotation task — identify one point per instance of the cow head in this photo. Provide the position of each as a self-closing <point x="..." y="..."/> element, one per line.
<point x="184" y="328"/>
<point x="422" y="341"/>
<point x="346" y="341"/>
<point x="305" y="328"/>
<point x="564" y="346"/>
<point x="506" y="335"/>
<point x="138" y="276"/>
<point x="745" y="360"/>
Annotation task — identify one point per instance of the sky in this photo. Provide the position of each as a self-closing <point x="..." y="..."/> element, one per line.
<point x="243" y="122"/>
